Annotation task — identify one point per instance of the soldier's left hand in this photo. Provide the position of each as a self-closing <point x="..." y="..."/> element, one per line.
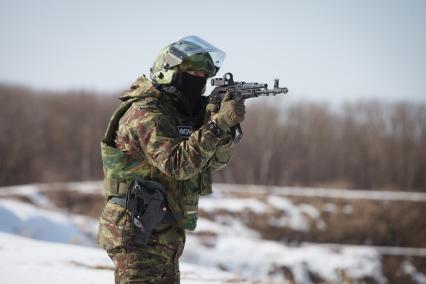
<point x="212" y="109"/>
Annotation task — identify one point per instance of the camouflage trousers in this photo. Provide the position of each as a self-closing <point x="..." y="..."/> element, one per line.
<point x="156" y="263"/>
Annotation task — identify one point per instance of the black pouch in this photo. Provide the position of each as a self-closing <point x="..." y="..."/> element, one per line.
<point x="145" y="204"/>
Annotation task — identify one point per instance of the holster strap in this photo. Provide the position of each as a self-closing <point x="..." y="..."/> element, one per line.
<point x="168" y="216"/>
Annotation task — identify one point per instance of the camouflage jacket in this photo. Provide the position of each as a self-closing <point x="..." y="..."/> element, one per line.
<point x="154" y="141"/>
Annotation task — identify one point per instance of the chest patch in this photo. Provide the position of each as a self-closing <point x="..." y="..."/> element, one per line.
<point x="184" y="131"/>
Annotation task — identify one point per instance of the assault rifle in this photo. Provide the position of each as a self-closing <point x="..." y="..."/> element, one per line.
<point x="240" y="91"/>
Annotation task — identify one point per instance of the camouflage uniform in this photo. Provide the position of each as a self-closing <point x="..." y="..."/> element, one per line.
<point x="148" y="144"/>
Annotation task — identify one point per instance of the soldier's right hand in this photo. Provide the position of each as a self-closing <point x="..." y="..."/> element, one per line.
<point x="230" y="113"/>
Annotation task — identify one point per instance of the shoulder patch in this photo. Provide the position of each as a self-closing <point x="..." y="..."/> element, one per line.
<point x="184" y="131"/>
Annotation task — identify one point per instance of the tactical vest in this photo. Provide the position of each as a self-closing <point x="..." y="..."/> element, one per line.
<point x="121" y="169"/>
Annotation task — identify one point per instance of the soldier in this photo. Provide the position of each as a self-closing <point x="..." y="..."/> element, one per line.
<point x="165" y="133"/>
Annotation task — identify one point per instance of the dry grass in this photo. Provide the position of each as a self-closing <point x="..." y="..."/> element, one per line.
<point x="371" y="222"/>
<point x="392" y="268"/>
<point x="89" y="204"/>
<point x="20" y="198"/>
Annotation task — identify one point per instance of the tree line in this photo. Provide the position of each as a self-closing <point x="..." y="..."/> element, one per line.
<point x="55" y="136"/>
<point x="50" y="136"/>
<point x="364" y="145"/>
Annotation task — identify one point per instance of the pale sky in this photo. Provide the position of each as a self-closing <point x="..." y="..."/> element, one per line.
<point x="329" y="50"/>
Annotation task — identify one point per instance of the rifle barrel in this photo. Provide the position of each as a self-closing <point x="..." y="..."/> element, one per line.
<point x="253" y="85"/>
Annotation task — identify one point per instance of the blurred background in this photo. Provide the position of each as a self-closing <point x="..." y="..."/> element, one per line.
<point x="335" y="169"/>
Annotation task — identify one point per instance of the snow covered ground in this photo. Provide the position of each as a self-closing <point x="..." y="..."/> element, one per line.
<point x="41" y="224"/>
<point x="59" y="247"/>
<point x="28" y="261"/>
<point x="328" y="192"/>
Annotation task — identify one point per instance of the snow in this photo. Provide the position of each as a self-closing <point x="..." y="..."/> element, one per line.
<point x="330" y="207"/>
<point x="224" y="225"/>
<point x="28" y="261"/>
<point x="280" y="203"/>
<point x="86" y="187"/>
<point x="296" y="217"/>
<point x="219" y="188"/>
<point x="41" y="224"/>
<point x="295" y="222"/>
<point x="88" y="226"/>
<point x="383" y="250"/>
<point x="347" y="209"/>
<point x="256" y="259"/>
<point x="34" y="189"/>
<point x="222" y="241"/>
<point x="326" y="192"/>
<point x="309" y="210"/>
<point x="31" y="191"/>
<point x="240" y="249"/>
<point x="291" y="209"/>
<point x="408" y="268"/>
<point x="321" y="225"/>
<point x="232" y="205"/>
<point x="293" y="216"/>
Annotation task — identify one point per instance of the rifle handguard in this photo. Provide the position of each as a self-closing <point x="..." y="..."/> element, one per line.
<point x="240" y="91"/>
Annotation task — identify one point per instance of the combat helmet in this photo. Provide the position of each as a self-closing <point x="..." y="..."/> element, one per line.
<point x="189" y="53"/>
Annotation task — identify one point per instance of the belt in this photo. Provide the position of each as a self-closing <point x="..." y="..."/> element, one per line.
<point x="114" y="187"/>
<point x="168" y="215"/>
<point x="118" y="200"/>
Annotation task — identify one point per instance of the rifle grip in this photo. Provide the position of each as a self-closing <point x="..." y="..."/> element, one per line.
<point x="236" y="133"/>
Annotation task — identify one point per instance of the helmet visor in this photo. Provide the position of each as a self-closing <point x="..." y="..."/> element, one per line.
<point x="191" y="45"/>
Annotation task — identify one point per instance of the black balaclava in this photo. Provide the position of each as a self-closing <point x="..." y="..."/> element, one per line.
<point x="192" y="88"/>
